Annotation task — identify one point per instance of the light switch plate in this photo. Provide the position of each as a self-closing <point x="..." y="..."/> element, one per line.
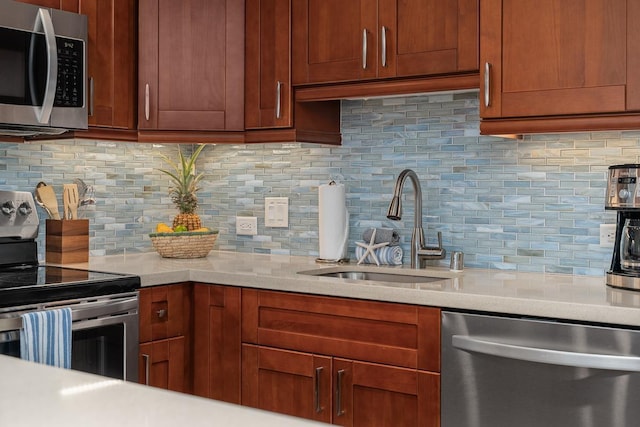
<point x="246" y="225"/>
<point x="276" y="212"/>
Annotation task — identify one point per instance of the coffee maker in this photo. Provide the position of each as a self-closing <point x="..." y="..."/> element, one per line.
<point x="623" y="195"/>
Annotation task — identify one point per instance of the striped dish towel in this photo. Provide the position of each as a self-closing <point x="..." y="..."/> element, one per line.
<point x="45" y="337"/>
<point x="390" y="255"/>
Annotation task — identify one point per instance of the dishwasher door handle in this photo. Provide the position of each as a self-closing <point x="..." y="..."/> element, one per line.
<point x="550" y="357"/>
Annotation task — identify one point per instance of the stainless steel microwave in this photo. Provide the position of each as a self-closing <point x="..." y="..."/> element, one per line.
<point x="43" y="68"/>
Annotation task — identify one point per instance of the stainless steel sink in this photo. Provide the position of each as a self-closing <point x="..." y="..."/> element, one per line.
<point x="372" y="275"/>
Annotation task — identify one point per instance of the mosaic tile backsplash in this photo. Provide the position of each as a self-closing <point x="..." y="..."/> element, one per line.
<point x="530" y="205"/>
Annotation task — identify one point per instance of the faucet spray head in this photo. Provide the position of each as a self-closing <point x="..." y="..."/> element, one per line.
<point x="395" y="209"/>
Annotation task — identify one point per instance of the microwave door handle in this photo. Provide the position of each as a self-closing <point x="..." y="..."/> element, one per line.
<point x="547" y="356"/>
<point x="44" y="23"/>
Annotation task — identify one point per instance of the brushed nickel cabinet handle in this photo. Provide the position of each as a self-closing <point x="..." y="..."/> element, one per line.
<point x="384" y="46"/>
<point x="147" y="359"/>
<point x="91" y="94"/>
<point x="487" y="84"/>
<point x="364" y="49"/>
<point x="146" y="101"/>
<point x="339" y="410"/>
<point x="316" y="390"/>
<point x="278" y="99"/>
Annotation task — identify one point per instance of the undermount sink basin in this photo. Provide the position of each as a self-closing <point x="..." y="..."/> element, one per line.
<point x="372" y="275"/>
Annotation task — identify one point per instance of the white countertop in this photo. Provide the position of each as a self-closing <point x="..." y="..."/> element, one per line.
<point x="581" y="298"/>
<point x="37" y="395"/>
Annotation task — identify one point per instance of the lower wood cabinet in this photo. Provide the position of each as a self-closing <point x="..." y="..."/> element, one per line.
<point x="348" y="362"/>
<point x="216" y="342"/>
<point x="343" y="361"/>
<point x="162" y="364"/>
<point x="339" y="391"/>
<point x="288" y="382"/>
<point x="165" y="337"/>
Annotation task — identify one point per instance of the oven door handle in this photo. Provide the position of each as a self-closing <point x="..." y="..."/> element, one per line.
<point x="80" y="312"/>
<point x="547" y="356"/>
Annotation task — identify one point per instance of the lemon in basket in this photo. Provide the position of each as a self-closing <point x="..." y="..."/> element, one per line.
<point x="163" y="228"/>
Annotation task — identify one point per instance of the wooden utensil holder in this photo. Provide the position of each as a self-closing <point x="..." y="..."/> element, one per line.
<point x="67" y="241"/>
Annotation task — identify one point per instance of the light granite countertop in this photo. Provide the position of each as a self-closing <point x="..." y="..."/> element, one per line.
<point x="568" y="297"/>
<point x="34" y="395"/>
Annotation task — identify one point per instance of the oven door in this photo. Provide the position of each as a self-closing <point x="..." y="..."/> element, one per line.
<point x="105" y="334"/>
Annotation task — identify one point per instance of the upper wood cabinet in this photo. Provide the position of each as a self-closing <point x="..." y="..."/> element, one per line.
<point x="268" y="94"/>
<point x="553" y="58"/>
<point x="191" y="65"/>
<point x="111" y="51"/>
<point x="112" y="62"/>
<point x="338" y="41"/>
<point x="271" y="115"/>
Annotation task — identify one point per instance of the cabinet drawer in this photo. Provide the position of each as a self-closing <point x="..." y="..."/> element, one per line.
<point x="388" y="333"/>
<point x="164" y="312"/>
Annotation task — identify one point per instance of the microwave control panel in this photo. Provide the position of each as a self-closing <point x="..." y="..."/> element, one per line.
<point x="70" y="87"/>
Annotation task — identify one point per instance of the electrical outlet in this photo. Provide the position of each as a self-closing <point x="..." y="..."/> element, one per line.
<point x="246" y="225"/>
<point x="607" y="235"/>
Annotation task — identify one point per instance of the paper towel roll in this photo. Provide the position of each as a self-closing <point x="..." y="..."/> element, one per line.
<point x="333" y="220"/>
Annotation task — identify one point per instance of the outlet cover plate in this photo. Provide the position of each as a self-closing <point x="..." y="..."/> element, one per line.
<point x="246" y="225"/>
<point x="607" y="235"/>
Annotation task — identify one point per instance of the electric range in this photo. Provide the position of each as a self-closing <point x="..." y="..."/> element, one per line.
<point x="24" y="281"/>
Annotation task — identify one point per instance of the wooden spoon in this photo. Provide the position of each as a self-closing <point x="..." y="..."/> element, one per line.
<point x="70" y="199"/>
<point x="48" y="198"/>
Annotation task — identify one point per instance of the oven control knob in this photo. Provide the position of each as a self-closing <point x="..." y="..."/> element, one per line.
<point x="25" y="209"/>
<point x="623" y="194"/>
<point x="8" y="208"/>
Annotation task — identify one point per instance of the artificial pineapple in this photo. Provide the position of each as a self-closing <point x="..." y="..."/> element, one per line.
<point x="183" y="190"/>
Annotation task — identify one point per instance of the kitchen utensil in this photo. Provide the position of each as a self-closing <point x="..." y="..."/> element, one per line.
<point x="47" y="196"/>
<point x="70" y="201"/>
<point x="82" y="188"/>
<point x="38" y="201"/>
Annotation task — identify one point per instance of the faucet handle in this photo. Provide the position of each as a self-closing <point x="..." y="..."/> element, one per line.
<point x="439" y="239"/>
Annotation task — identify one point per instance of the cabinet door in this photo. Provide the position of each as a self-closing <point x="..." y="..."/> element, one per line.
<point x="216" y="369"/>
<point x="287" y="382"/>
<point x="334" y="40"/>
<point x="423" y="37"/>
<point x="370" y="395"/>
<point x="112" y="55"/>
<point x="268" y="92"/>
<point x="191" y="65"/>
<point x="553" y="57"/>
<point x="164" y="312"/>
<point x="162" y="364"/>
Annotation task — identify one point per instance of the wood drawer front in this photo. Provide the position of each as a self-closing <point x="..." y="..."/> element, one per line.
<point x="164" y="312"/>
<point x="395" y="334"/>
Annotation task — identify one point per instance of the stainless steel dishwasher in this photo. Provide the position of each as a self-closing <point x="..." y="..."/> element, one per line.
<point x="506" y="372"/>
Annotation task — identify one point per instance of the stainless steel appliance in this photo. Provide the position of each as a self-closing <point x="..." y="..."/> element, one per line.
<point x="43" y="63"/>
<point x="623" y="195"/>
<point x="505" y="372"/>
<point x="104" y="306"/>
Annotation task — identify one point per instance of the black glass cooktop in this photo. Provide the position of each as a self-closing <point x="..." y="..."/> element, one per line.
<point x="32" y="284"/>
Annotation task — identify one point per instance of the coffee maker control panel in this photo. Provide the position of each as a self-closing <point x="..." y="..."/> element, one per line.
<point x="623" y="188"/>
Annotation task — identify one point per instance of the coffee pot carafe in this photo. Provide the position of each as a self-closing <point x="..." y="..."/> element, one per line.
<point x="630" y="245"/>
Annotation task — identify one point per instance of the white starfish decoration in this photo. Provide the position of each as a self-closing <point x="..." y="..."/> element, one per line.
<point x="371" y="248"/>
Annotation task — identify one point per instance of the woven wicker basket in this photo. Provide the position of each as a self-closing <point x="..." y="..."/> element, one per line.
<point x="190" y="244"/>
